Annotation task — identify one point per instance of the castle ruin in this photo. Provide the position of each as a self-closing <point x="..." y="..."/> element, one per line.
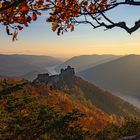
<point x="65" y="73"/>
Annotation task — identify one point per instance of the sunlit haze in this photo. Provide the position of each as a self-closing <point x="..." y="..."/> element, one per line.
<point x="38" y="39"/>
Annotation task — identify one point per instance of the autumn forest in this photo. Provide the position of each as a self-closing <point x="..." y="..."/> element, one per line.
<point x="69" y="70"/>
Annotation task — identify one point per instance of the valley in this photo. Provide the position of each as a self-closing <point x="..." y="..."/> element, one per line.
<point x="106" y="92"/>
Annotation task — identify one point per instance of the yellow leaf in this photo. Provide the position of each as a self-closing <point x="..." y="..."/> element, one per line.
<point x="0" y="5"/>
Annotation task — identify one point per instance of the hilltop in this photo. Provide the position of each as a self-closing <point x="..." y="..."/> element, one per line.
<point x="69" y="83"/>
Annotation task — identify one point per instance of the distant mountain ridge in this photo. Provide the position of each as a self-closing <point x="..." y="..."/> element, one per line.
<point x="121" y="76"/>
<point x="86" y="61"/>
<point x="32" y="75"/>
<point x="16" y="65"/>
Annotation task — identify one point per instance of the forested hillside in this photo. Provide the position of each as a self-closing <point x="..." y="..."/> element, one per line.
<point x="45" y="113"/>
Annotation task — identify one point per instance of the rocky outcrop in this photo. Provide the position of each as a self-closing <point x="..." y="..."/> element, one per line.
<point x="46" y="78"/>
<point x="136" y="137"/>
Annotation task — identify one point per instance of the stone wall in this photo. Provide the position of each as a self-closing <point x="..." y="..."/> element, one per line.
<point x="65" y="73"/>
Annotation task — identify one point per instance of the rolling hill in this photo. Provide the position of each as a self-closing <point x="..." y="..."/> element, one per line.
<point x="86" y="61"/>
<point x="120" y="76"/>
<point x="16" y="65"/>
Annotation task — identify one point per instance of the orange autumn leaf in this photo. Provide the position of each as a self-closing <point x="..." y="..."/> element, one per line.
<point x="34" y="16"/>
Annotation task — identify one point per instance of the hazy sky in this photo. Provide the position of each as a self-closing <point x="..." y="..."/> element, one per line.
<point x="39" y="39"/>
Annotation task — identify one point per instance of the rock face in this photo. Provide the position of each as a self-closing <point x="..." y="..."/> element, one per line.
<point x="136" y="137"/>
<point x="46" y="78"/>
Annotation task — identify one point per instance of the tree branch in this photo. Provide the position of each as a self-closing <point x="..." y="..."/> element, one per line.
<point x="123" y="26"/>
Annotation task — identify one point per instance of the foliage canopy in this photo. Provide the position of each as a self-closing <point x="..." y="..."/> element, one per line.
<point x="63" y="14"/>
<point x="23" y="115"/>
